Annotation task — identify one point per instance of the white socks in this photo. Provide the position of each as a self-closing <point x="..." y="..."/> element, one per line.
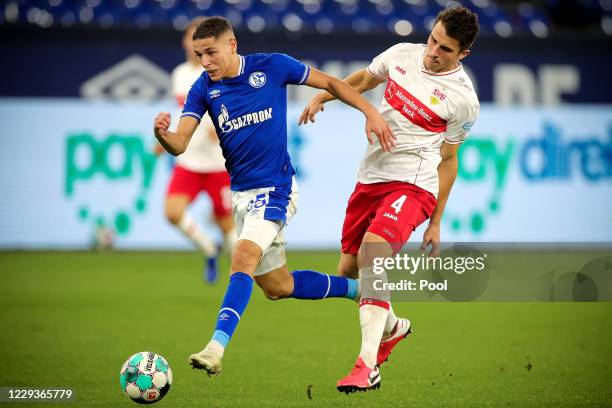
<point x="192" y="231"/>
<point x="372" y="318"/>
<point x="391" y="317"/>
<point x="391" y="321"/>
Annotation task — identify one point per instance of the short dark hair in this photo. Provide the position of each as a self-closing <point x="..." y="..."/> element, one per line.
<point x="461" y="24"/>
<point x="212" y="27"/>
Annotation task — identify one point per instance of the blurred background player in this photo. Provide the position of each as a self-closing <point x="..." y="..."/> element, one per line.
<point x="201" y="168"/>
<point x="430" y="105"/>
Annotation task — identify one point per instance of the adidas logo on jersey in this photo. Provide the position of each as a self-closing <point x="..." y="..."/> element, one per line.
<point x="227" y="125"/>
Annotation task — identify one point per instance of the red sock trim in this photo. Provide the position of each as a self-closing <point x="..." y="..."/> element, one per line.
<point x="374" y="302"/>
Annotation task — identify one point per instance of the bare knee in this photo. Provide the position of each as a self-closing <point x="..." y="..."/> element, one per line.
<point x="347" y="266"/>
<point x="173" y="216"/>
<point x="277" y="292"/>
<point x="246" y="257"/>
<point x="174" y="208"/>
<point x="276" y="284"/>
<point x="347" y="272"/>
<point x="373" y="246"/>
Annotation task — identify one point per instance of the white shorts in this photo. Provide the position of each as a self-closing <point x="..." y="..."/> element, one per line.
<point x="260" y="216"/>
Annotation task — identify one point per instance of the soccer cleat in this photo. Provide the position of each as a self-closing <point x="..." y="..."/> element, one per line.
<point x="208" y="359"/>
<point x="361" y="378"/>
<point x="400" y="331"/>
<point x="210" y="269"/>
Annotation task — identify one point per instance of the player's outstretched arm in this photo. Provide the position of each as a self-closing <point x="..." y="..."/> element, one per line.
<point x="361" y="81"/>
<point x="175" y="143"/>
<point x="374" y="120"/>
<point x="447" y="173"/>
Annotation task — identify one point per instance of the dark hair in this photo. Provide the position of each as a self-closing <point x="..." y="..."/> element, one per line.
<point x="461" y="24"/>
<point x="212" y="27"/>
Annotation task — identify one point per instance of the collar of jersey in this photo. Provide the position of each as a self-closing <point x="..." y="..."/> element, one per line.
<point x="242" y="64"/>
<point x="423" y="70"/>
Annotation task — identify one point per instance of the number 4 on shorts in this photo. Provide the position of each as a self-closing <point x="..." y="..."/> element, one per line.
<point x="397" y="204"/>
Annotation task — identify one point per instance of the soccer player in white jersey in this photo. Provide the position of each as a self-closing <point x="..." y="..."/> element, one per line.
<point x="430" y="104"/>
<point x="246" y="97"/>
<point x="201" y="168"/>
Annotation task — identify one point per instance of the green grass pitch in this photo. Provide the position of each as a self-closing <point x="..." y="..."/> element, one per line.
<point x="71" y="320"/>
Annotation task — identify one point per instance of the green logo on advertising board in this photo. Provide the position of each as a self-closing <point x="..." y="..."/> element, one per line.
<point x="116" y="158"/>
<point x="481" y="160"/>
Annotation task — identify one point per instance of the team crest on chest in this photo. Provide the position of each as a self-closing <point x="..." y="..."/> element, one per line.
<point x="437" y="96"/>
<point x="257" y="79"/>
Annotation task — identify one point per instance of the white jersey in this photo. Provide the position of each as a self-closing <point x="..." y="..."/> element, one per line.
<point x="203" y="154"/>
<point x="423" y="109"/>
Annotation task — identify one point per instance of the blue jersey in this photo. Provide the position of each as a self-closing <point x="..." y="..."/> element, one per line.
<point x="249" y="112"/>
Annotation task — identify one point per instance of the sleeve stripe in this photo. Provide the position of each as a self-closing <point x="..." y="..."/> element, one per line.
<point x="305" y="75"/>
<point x="453" y="141"/>
<point x="192" y="114"/>
<point x="374" y="75"/>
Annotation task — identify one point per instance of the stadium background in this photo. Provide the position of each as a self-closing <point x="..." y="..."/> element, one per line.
<point x="81" y="82"/>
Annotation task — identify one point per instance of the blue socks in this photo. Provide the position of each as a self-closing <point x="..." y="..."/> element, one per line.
<point x="315" y="285"/>
<point x="306" y="285"/>
<point x="235" y="301"/>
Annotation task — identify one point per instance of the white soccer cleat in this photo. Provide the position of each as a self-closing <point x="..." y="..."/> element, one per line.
<point x="208" y="359"/>
<point x="400" y="331"/>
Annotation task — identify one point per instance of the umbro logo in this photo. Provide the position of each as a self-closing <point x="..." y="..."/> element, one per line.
<point x="214" y="93"/>
<point x="224" y="316"/>
<point x="134" y="78"/>
<point x="400" y="69"/>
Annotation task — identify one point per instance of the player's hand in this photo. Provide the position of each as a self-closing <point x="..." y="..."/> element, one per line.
<point x="309" y="112"/>
<point x="376" y="124"/>
<point x="432" y="237"/>
<point x="161" y="124"/>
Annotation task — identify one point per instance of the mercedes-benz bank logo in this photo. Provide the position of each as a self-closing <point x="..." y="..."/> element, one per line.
<point x="390" y="91"/>
<point x="134" y="78"/>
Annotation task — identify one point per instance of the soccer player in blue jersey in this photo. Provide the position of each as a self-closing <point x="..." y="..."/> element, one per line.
<point x="246" y="97"/>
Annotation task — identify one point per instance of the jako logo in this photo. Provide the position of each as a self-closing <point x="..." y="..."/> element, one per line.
<point x="227" y="125"/>
<point x="401" y="70"/>
<point x="393" y="217"/>
<point x="100" y="167"/>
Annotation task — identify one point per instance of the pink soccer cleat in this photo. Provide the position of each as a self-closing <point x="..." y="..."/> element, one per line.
<point x="399" y="332"/>
<point x="361" y="378"/>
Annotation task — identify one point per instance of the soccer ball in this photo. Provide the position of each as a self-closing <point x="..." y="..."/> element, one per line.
<point x="145" y="377"/>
